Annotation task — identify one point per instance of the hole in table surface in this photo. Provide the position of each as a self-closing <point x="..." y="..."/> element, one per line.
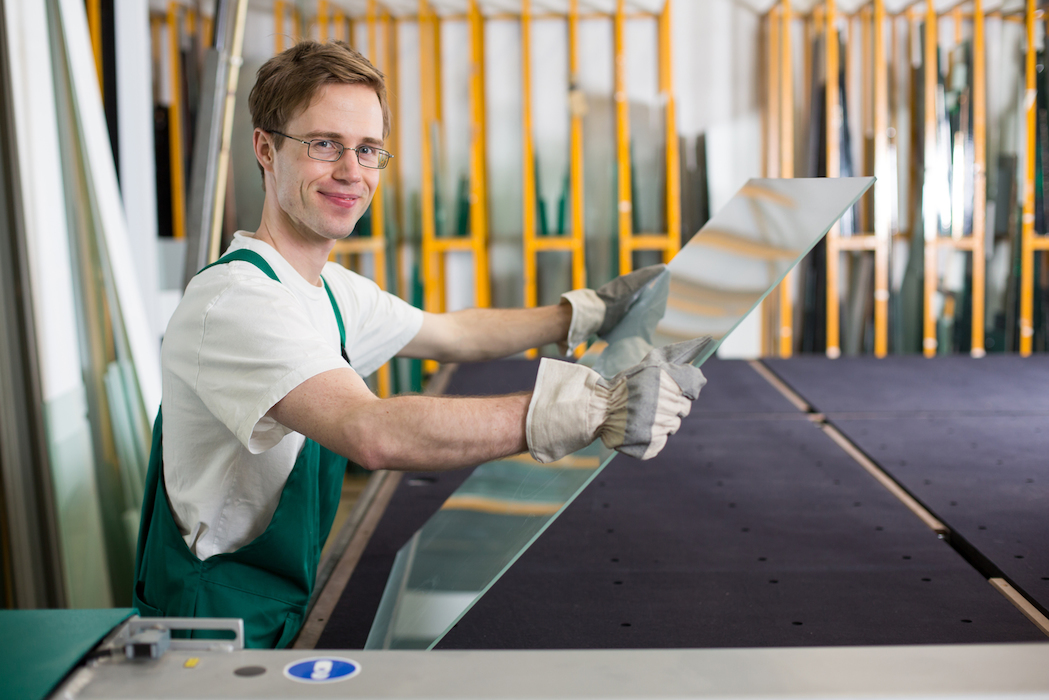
<point x="249" y="671"/>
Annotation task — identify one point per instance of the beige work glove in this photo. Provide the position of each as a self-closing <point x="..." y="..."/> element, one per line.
<point x="598" y="311"/>
<point x="633" y="412"/>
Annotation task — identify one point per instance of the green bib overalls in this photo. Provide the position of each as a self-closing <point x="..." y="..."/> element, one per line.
<point x="267" y="582"/>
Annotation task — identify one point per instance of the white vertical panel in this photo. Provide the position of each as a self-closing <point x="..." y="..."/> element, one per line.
<point x="137" y="171"/>
<point x="102" y="177"/>
<point x="40" y="163"/>
<point x="70" y="453"/>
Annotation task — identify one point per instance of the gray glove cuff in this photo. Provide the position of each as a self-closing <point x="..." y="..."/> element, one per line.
<point x="588" y="313"/>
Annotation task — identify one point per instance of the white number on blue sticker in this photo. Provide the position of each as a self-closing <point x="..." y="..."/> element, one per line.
<point x="322" y="669"/>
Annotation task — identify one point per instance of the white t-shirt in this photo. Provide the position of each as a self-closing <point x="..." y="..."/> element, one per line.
<point x="236" y="345"/>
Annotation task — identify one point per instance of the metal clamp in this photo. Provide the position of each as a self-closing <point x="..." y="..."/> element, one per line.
<point x="150" y="637"/>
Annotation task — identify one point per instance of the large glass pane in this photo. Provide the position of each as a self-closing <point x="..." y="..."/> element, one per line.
<point x="711" y="285"/>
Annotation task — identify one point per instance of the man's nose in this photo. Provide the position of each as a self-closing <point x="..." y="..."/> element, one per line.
<point x="347" y="167"/>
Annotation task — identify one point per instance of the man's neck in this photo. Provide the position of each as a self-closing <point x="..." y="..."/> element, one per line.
<point x="305" y="252"/>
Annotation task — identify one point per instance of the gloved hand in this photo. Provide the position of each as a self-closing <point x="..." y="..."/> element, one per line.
<point x="598" y="311"/>
<point x="633" y="412"/>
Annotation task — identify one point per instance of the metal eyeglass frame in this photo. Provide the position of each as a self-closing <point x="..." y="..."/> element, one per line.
<point x="342" y="149"/>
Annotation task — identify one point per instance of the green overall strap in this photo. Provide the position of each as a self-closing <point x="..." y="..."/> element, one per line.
<point x="250" y="256"/>
<point x="338" y="318"/>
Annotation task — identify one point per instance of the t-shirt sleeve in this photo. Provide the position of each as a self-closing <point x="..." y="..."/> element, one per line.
<point x="378" y="324"/>
<point x="255" y="346"/>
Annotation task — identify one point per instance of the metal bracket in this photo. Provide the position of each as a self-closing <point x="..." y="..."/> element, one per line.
<point x="150" y="637"/>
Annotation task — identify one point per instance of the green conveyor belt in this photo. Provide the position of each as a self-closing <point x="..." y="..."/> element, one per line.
<point x="38" y="648"/>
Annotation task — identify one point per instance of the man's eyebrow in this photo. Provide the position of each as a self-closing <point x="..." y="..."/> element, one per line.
<point x="336" y="136"/>
<point x="323" y="135"/>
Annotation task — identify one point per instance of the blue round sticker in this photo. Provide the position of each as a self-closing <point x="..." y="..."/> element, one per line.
<point x="322" y="669"/>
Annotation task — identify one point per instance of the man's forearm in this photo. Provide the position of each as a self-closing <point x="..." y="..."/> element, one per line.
<point x="337" y="410"/>
<point x="435" y="433"/>
<point x="472" y="335"/>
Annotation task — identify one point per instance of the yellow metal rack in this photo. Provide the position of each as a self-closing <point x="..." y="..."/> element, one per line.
<point x="629" y="241"/>
<point x="1030" y="243"/>
<point x="435" y="247"/>
<point x="780" y="141"/>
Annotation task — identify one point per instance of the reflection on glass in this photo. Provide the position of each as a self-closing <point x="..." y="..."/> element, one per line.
<point x="712" y="284"/>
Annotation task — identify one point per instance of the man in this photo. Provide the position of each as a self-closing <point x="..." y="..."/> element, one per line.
<point x="263" y="363"/>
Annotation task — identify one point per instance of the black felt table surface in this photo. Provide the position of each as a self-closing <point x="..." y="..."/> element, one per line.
<point x="913" y="383"/>
<point x="742" y="533"/>
<point x="986" y="478"/>
<point x="969" y="438"/>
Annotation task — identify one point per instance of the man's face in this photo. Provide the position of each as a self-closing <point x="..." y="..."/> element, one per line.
<point x="326" y="199"/>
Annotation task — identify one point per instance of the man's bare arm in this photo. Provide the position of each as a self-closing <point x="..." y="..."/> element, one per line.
<point x="472" y="335"/>
<point x="407" y="433"/>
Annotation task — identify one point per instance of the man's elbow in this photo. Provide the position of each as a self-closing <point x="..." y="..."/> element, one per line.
<point x="373" y="452"/>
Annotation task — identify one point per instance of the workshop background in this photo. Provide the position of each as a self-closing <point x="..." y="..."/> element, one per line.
<point x="539" y="145"/>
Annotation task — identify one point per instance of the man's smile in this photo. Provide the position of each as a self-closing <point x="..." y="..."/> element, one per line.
<point x="340" y="199"/>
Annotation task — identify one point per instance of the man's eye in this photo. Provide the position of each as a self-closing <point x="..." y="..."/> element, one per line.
<point x="321" y="143"/>
<point x="365" y="151"/>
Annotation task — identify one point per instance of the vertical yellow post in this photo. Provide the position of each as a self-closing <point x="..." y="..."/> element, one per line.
<point x="322" y="20"/>
<point x="338" y="19"/>
<point x="436" y="110"/>
<point x="378" y="205"/>
<point x="432" y="259"/>
<point x="175" y="148"/>
<point x="771" y="147"/>
<point x="979" y="180"/>
<point x="882" y="193"/>
<point x="207" y="30"/>
<point x="430" y="272"/>
<point x="625" y="205"/>
<point x="666" y="89"/>
<point x="576" y="155"/>
<point x="772" y="131"/>
<point x="1027" y="240"/>
<point x="278" y="26"/>
<point x="393" y="170"/>
<point x="478" y="169"/>
<point x="833" y="170"/>
<point x="932" y="226"/>
<point x="866" y="164"/>
<point x="94" y="24"/>
<point x="786" y="169"/>
<point x="528" y="194"/>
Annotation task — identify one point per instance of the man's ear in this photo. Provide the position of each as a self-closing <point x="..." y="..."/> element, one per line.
<point x="265" y="151"/>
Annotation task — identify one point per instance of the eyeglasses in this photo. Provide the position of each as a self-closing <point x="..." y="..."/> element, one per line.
<point x="331" y="151"/>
